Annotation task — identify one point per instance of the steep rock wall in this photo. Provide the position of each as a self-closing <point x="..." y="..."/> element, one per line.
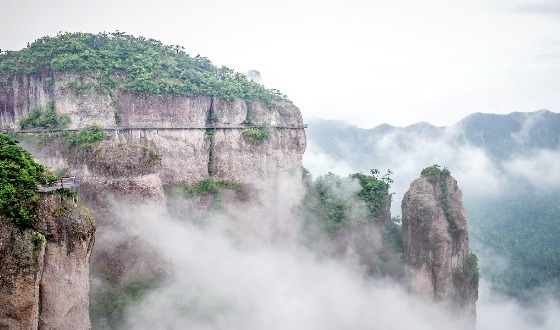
<point x="436" y="251"/>
<point x="196" y="136"/>
<point x="21" y="267"/>
<point x="44" y="283"/>
<point x="64" y="288"/>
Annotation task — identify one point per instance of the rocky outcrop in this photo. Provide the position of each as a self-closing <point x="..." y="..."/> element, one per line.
<point x="436" y="243"/>
<point x="44" y="278"/>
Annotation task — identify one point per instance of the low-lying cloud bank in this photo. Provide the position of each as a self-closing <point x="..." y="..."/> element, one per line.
<point x="254" y="268"/>
<point x="224" y="275"/>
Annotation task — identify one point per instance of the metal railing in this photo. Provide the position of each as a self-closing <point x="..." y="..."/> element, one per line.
<point x="64" y="183"/>
<point x="129" y="128"/>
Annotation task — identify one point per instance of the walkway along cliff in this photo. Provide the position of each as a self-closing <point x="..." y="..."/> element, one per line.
<point x="196" y="136"/>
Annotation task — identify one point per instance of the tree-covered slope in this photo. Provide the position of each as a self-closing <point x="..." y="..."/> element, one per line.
<point x="523" y="227"/>
<point x="518" y="132"/>
<point x="133" y="63"/>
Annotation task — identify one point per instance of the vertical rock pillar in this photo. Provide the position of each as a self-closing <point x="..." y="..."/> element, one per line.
<point x="436" y="243"/>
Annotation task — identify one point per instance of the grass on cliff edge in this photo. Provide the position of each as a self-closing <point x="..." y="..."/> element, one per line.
<point x="137" y="64"/>
<point x="19" y="176"/>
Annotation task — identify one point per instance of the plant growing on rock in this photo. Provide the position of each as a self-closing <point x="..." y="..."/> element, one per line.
<point x="44" y="117"/>
<point x="84" y="137"/>
<point x="258" y="134"/>
<point x="437" y="175"/>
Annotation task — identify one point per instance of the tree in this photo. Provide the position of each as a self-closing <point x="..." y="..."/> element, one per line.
<point x="19" y="176"/>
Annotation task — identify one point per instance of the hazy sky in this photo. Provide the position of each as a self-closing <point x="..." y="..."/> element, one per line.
<point x="364" y="61"/>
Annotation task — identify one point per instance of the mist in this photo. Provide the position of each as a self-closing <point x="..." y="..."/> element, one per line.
<point x="254" y="269"/>
<point x="406" y="153"/>
<point x="480" y="176"/>
<point x="251" y="266"/>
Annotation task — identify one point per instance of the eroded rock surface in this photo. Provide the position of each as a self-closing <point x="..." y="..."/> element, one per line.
<point x="196" y="137"/>
<point x="21" y="266"/>
<point x="436" y="243"/>
<point x="44" y="273"/>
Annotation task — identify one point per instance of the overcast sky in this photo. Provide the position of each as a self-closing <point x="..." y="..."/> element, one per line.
<point x="364" y="61"/>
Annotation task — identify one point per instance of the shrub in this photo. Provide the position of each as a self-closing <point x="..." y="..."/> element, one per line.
<point x="206" y="187"/>
<point x="85" y="137"/>
<point x="44" y="117"/>
<point x="38" y="241"/>
<point x="258" y="134"/>
<point x="436" y="175"/>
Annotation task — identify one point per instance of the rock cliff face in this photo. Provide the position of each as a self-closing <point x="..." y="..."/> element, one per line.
<point x="21" y="257"/>
<point x="44" y="278"/>
<point x="154" y="143"/>
<point x="196" y="136"/>
<point x="436" y="243"/>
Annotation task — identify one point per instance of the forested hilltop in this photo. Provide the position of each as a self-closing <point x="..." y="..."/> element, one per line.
<point x="137" y="64"/>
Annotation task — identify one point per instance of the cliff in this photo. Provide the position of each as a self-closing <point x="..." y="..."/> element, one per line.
<point x="436" y="244"/>
<point x="196" y="136"/>
<point x="44" y="278"/>
<point x="169" y="122"/>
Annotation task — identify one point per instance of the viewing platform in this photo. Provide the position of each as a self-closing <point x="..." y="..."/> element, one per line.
<point x="71" y="183"/>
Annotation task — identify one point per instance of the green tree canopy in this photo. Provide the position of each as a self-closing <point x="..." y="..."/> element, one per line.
<point x="134" y="63"/>
<point x="19" y="176"/>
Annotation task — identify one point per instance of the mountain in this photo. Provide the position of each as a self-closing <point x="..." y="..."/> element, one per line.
<point x="507" y="166"/>
<point x="499" y="135"/>
<point x="46" y="240"/>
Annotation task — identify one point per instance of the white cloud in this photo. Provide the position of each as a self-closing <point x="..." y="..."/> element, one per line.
<point x="542" y="169"/>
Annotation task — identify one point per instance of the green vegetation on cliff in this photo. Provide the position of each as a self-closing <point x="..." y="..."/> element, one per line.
<point x="44" y="117"/>
<point x="339" y="202"/>
<point x="84" y="137"/>
<point x="344" y="207"/>
<point x="258" y="134"/>
<point x="439" y="176"/>
<point x="137" y="64"/>
<point x="19" y="176"/>
<point x="205" y="187"/>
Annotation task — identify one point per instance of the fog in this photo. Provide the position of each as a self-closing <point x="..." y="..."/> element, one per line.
<point x="253" y="269"/>
<point x="406" y="153"/>
<point x="251" y="266"/>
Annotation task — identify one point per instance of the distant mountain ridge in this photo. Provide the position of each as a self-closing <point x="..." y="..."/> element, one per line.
<point x="499" y="134"/>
